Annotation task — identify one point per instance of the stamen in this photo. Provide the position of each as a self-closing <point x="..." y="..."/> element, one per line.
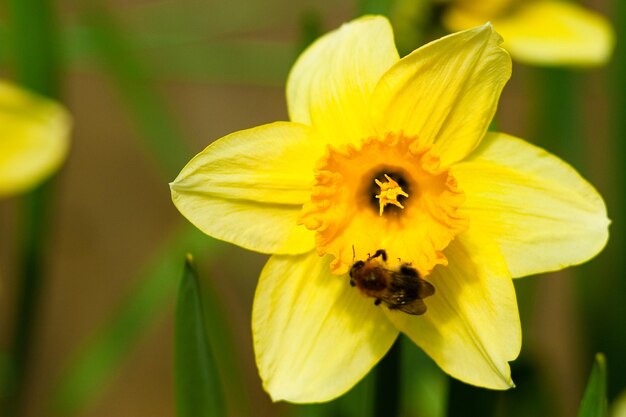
<point x="389" y="193"/>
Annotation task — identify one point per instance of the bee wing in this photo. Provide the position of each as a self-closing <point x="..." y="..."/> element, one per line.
<point x="406" y="292"/>
<point x="409" y="278"/>
<point x="425" y="288"/>
<point x="399" y="301"/>
<point x="416" y="308"/>
<point x="403" y="300"/>
<point x="412" y="284"/>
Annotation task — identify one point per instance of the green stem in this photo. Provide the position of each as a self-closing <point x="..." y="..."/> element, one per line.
<point x="611" y="338"/>
<point x="557" y="123"/>
<point x="34" y="45"/>
<point x="35" y="63"/>
<point x="387" y="399"/>
<point x="33" y="227"/>
<point x="559" y="127"/>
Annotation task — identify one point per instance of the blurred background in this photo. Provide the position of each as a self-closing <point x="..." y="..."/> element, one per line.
<point x="149" y="84"/>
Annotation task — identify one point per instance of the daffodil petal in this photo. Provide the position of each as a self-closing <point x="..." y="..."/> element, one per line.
<point x="331" y="84"/>
<point x="542" y="32"/>
<point x="446" y="92"/>
<point x="315" y="336"/>
<point x="34" y="138"/>
<point x="247" y="188"/>
<point x="557" y="33"/>
<point x="471" y="327"/>
<point x="541" y="212"/>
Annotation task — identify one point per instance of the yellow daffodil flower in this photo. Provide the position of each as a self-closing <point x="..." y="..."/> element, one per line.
<point x="541" y="32"/>
<point x="390" y="154"/>
<point x="34" y="138"/>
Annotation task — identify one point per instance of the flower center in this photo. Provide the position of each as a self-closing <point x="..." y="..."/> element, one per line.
<point x="387" y="193"/>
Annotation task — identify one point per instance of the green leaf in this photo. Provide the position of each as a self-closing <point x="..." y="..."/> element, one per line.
<point x="227" y="353"/>
<point x="594" y="402"/>
<point x="198" y="389"/>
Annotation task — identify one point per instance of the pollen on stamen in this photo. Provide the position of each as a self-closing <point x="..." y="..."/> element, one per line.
<point x="389" y="193"/>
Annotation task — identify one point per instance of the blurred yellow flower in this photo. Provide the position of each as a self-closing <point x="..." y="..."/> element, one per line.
<point x="34" y="138"/>
<point x="392" y="154"/>
<point x="540" y="32"/>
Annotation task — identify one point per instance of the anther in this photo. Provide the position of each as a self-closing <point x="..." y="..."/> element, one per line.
<point x="389" y="193"/>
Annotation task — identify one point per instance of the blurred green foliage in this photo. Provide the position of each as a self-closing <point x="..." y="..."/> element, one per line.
<point x="137" y="50"/>
<point x="134" y="83"/>
<point x="32" y="56"/>
<point x="93" y="366"/>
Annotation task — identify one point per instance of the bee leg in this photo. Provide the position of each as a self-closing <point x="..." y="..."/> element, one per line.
<point x="377" y="301"/>
<point x="380" y="252"/>
<point x="352" y="283"/>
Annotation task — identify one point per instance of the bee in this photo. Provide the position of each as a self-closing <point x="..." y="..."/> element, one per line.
<point x="401" y="290"/>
